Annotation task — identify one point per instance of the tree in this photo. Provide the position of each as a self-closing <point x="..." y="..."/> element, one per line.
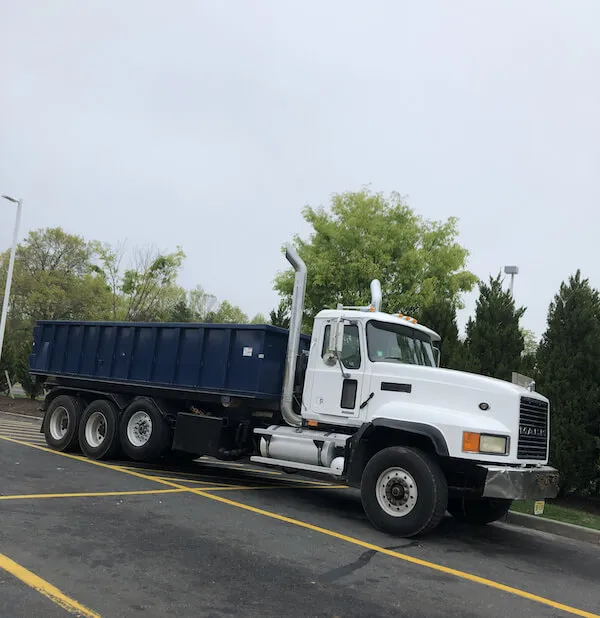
<point x="281" y="316"/>
<point x="494" y="342"/>
<point x="569" y="375"/>
<point x="146" y="291"/>
<point x="440" y="316"/>
<point x="201" y="303"/>
<point x="366" y="236"/>
<point x="227" y="314"/>
<point x="54" y="278"/>
<point x="528" y="357"/>
<point x="259" y="318"/>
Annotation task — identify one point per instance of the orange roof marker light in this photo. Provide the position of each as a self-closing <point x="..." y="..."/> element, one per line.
<point x="407" y="318"/>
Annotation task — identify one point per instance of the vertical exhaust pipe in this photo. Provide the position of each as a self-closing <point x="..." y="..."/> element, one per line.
<point x="287" y="397"/>
<point x="376" y="295"/>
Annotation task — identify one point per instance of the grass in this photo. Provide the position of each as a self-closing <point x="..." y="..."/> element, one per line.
<point x="565" y="514"/>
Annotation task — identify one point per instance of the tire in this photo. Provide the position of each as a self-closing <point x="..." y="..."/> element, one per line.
<point x="404" y="491"/>
<point x="478" y="512"/>
<point x="99" y="430"/>
<point x="61" y="423"/>
<point x="143" y="431"/>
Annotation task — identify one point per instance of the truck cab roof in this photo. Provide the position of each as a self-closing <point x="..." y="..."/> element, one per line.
<point x="365" y="316"/>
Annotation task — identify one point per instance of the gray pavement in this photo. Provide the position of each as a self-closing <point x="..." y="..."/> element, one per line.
<point x="184" y="554"/>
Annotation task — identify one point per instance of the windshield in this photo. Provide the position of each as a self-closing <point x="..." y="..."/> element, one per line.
<point x="398" y="343"/>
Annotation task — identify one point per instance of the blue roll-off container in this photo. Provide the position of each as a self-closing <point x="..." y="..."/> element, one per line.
<point x="233" y="359"/>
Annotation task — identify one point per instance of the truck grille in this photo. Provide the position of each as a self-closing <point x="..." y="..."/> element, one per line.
<point x="533" y="429"/>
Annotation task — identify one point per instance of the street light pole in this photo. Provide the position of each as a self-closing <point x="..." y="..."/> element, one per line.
<point x="512" y="271"/>
<point x="11" y="265"/>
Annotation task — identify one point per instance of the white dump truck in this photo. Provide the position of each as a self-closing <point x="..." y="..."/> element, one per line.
<point x="362" y="400"/>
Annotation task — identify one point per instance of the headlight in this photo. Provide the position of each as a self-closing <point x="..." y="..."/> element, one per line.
<point x="484" y="443"/>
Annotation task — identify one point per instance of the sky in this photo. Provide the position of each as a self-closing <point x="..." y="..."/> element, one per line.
<point x="210" y="125"/>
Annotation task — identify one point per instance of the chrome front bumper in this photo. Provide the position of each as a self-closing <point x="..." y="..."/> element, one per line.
<point x="521" y="483"/>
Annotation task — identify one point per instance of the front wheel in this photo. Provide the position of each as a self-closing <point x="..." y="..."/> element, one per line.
<point x="404" y="491"/>
<point x="479" y="512"/>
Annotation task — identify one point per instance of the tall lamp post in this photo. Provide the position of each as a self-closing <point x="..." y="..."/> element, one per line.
<point x="11" y="265"/>
<point x="512" y="271"/>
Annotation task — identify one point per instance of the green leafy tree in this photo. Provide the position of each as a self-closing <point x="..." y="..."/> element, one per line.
<point x="259" y="318"/>
<point x="528" y="357"/>
<point x="494" y="343"/>
<point x="569" y="375"/>
<point x="180" y="312"/>
<point x="227" y="314"/>
<point x="365" y="236"/>
<point x="54" y="278"/>
<point x="147" y="290"/>
<point x="441" y="317"/>
<point x="201" y="303"/>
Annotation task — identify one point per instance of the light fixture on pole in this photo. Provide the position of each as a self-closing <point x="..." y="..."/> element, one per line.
<point x="512" y="271"/>
<point x="9" y="273"/>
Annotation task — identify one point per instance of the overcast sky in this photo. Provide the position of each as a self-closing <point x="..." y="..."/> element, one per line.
<point x="210" y="124"/>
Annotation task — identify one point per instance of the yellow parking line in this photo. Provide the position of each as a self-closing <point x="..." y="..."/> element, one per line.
<point x="225" y="486"/>
<point x="490" y="583"/>
<point x="198" y="481"/>
<point x="91" y="494"/>
<point x="45" y="588"/>
<point x="276" y="487"/>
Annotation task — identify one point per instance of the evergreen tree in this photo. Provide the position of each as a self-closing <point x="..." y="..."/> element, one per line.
<point x="280" y="316"/>
<point x="494" y="341"/>
<point x="569" y="375"/>
<point x="441" y="317"/>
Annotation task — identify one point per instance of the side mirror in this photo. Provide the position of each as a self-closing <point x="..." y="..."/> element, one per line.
<point x="336" y="337"/>
<point x="438" y="356"/>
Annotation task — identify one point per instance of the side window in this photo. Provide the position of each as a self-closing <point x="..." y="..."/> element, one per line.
<point x="350" y="356"/>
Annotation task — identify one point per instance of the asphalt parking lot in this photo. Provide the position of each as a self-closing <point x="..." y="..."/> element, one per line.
<point x="217" y="539"/>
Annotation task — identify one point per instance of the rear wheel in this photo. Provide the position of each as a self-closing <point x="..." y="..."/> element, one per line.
<point x="404" y="491"/>
<point x="143" y="431"/>
<point x="61" y="423"/>
<point x="479" y="512"/>
<point x="99" y="430"/>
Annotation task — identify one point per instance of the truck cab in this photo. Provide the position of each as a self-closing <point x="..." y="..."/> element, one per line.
<point x="375" y="350"/>
<point x="377" y="412"/>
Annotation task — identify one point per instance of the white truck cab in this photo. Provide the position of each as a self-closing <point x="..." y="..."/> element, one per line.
<point x="378" y="412"/>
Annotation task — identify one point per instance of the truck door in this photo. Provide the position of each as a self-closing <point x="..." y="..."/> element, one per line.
<point x="333" y="394"/>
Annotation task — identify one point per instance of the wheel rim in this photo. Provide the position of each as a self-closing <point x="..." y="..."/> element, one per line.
<point x="95" y="429"/>
<point x="59" y="423"/>
<point x="139" y="428"/>
<point x="396" y="492"/>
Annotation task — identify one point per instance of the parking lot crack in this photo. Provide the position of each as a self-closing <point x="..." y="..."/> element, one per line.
<point x="362" y="561"/>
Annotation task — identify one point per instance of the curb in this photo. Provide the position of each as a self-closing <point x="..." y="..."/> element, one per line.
<point x="571" y="531"/>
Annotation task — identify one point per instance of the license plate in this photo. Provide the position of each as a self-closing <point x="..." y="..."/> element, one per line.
<point x="538" y="507"/>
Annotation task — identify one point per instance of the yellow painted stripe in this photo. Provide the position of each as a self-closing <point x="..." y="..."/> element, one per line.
<point x="45" y="588"/>
<point x="223" y="486"/>
<point x="98" y="494"/>
<point x="200" y="482"/>
<point x="275" y="487"/>
<point x="348" y="539"/>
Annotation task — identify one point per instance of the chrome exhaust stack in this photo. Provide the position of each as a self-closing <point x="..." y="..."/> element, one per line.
<point x="287" y="396"/>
